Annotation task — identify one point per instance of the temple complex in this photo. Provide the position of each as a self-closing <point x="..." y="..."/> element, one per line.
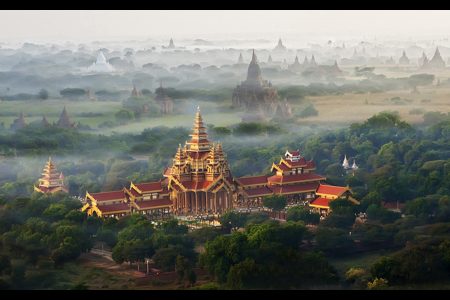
<point x="199" y="180"/>
<point x="64" y="120"/>
<point x="254" y="85"/>
<point x="436" y="62"/>
<point x="52" y="181"/>
<point x="18" y="123"/>
<point x="293" y="179"/>
<point x="101" y="65"/>
<point x="163" y="100"/>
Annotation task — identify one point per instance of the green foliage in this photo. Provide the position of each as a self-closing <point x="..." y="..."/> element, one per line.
<point x="79" y="286"/>
<point x="354" y="275"/>
<point x="302" y="213"/>
<point x="124" y="116"/>
<point x="231" y="219"/>
<point x="73" y="94"/>
<point x="43" y="94"/>
<point x="309" y="111"/>
<point x="377" y="284"/>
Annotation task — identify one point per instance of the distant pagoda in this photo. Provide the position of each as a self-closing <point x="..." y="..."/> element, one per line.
<point x="312" y="63"/>
<point x="163" y="100"/>
<point x="64" y="120"/>
<point x="101" y="65"/>
<point x="135" y="92"/>
<point x="89" y="97"/>
<point x="18" y="123"/>
<point x="280" y="47"/>
<point x="390" y="61"/>
<point x="404" y="60"/>
<point x="44" y="121"/>
<point x="425" y="64"/>
<point x="336" y="70"/>
<point x="52" y="181"/>
<point x="269" y="60"/>
<point x="436" y="62"/>
<point x="240" y="59"/>
<point x="284" y="109"/>
<point x="296" y="66"/>
<point x="305" y="64"/>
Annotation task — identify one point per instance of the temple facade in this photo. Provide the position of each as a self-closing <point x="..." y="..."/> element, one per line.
<point x="151" y="199"/>
<point x="199" y="180"/>
<point x="52" y="181"/>
<point x="163" y="100"/>
<point x="254" y="85"/>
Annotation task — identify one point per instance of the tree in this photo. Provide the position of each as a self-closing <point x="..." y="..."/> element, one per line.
<point x="5" y="263"/>
<point x="382" y="268"/>
<point x="378" y="284"/>
<point x="124" y="116"/>
<point x="232" y="219"/>
<point x="354" y="275"/>
<point x="79" y="286"/>
<point x="91" y="225"/>
<point x="302" y="213"/>
<point x="43" y="94"/>
<point x="276" y="202"/>
<point x="73" y="94"/>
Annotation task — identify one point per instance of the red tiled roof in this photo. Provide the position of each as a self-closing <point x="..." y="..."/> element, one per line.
<point x="197" y="155"/>
<point x="283" y="167"/>
<point x="300" y="163"/>
<point x="258" y="191"/>
<point x="330" y="190"/>
<point x="292" y="189"/>
<point x="167" y="171"/>
<point x="154" y="203"/>
<point x="165" y="190"/>
<point x="294" y="178"/>
<point x="115" y="195"/>
<point x="320" y="201"/>
<point x="149" y="187"/>
<point x="205" y="184"/>
<point x="254" y="180"/>
<point x="199" y="141"/>
<point x="392" y="205"/>
<point x="310" y="165"/>
<point x="135" y="193"/>
<point x="294" y="153"/>
<point x="113" y="208"/>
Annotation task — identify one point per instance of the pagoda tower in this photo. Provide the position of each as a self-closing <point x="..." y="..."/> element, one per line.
<point x="52" y="181"/>
<point x="64" y="120"/>
<point x="425" y="64"/>
<point x="200" y="180"/>
<point x="390" y="61"/>
<point x="345" y="162"/>
<point x="240" y="59"/>
<point x="354" y="166"/>
<point x="163" y="100"/>
<point x="336" y="69"/>
<point x="422" y="58"/>
<point x="269" y="60"/>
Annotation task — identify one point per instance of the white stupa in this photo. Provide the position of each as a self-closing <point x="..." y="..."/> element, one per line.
<point x="101" y="65"/>
<point x="345" y="163"/>
<point x="354" y="166"/>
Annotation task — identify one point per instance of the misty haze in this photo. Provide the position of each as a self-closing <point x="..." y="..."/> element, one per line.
<point x="224" y="150"/>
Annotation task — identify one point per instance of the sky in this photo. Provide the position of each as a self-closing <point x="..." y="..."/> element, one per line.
<point x="216" y="24"/>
